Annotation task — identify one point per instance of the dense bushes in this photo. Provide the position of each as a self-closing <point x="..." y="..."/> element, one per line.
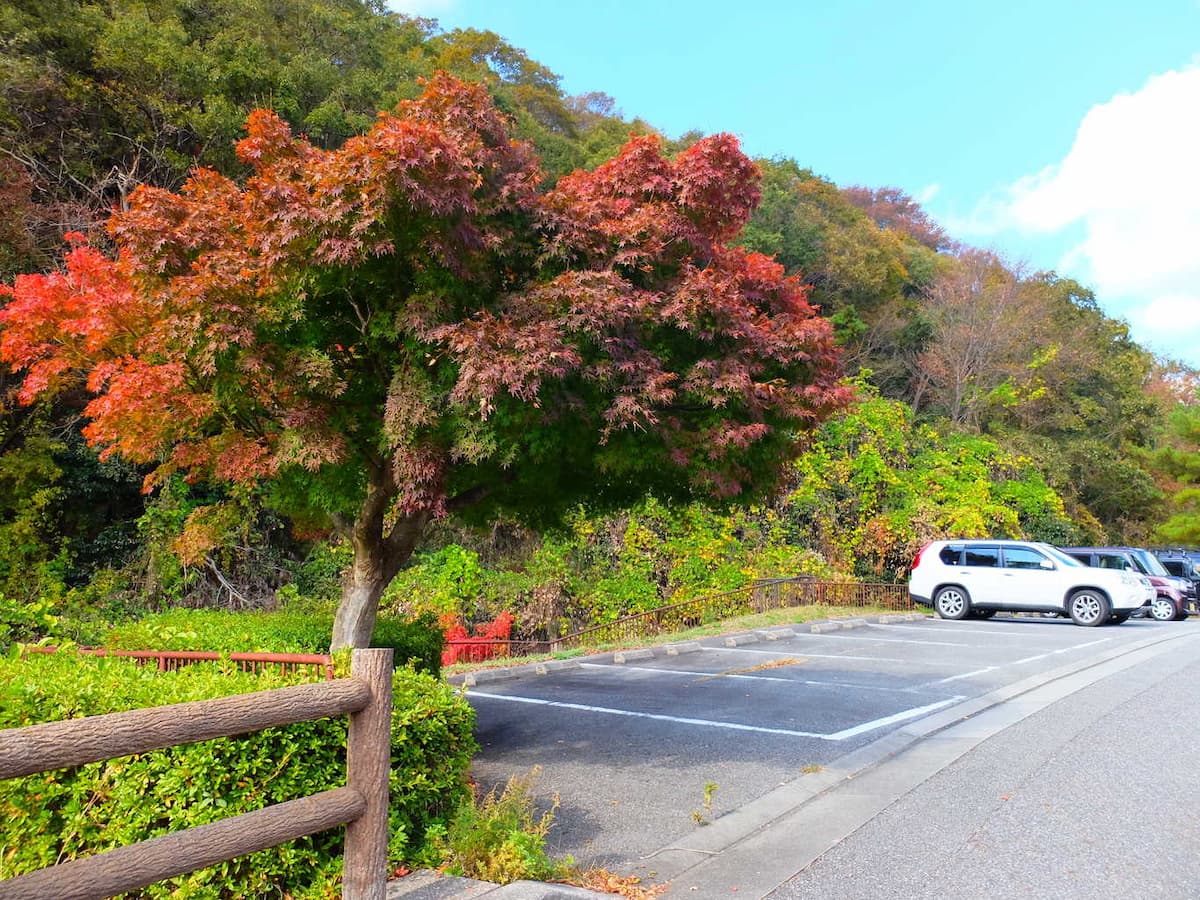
<point x="600" y="567"/>
<point x="60" y="815"/>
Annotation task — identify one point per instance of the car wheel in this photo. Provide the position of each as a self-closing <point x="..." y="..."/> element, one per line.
<point x="952" y="603"/>
<point x="982" y="613"/>
<point x="1162" y="609"/>
<point x="1088" y="608"/>
<point x="1118" y="618"/>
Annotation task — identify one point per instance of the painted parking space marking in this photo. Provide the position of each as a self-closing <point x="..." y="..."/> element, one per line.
<point x="809" y="655"/>
<point x="883" y="640"/>
<point x="1061" y="650"/>
<point x="901" y="716"/>
<point x="1022" y="632"/>
<point x="715" y="675"/>
<point x="961" y="677"/>
<point x="1015" y="662"/>
<point x="842" y="735"/>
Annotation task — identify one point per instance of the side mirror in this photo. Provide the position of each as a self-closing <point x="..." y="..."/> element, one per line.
<point x="1046" y="564"/>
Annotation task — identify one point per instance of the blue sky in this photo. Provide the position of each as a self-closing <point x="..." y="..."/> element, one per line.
<point x="1065" y="135"/>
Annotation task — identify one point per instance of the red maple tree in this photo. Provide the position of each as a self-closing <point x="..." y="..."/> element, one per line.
<point x="407" y="326"/>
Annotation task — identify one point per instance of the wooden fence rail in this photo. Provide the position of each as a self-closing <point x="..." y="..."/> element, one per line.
<point x="362" y="805"/>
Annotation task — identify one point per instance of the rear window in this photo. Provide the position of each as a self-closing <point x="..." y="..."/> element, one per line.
<point x="951" y="555"/>
<point x="1174" y="566"/>
<point x="988" y="557"/>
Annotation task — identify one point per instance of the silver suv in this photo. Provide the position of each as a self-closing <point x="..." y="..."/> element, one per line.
<point x="978" y="577"/>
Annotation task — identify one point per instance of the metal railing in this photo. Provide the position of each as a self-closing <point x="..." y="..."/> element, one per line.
<point x="171" y="660"/>
<point x="775" y="593"/>
<point x="362" y="805"/>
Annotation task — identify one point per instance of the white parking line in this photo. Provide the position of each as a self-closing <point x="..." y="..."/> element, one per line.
<point x="960" y="677"/>
<point x="1061" y="650"/>
<point x="712" y="676"/>
<point x="807" y="654"/>
<point x="1015" y="662"/>
<point x="851" y="637"/>
<point x="958" y="629"/>
<point x="734" y="726"/>
<point x="889" y="720"/>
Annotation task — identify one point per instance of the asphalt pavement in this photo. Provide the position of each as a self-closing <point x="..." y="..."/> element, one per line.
<point x="746" y="764"/>
<point x="1093" y="796"/>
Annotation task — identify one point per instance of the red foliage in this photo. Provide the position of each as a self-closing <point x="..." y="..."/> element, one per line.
<point x="395" y="305"/>
<point x="488" y="641"/>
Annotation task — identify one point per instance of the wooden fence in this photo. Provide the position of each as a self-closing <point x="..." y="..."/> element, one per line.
<point x="362" y="805"/>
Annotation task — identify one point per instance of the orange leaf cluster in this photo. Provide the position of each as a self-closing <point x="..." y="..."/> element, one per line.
<point x="409" y="305"/>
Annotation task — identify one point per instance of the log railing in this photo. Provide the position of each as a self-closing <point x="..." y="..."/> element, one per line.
<point x="362" y="805"/>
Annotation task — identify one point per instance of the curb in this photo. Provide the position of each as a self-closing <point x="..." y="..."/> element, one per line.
<point x="428" y="884"/>
<point x="620" y="657"/>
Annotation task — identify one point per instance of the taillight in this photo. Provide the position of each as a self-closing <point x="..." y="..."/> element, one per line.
<point x="917" y="559"/>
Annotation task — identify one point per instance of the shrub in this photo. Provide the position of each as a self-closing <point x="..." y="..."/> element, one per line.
<point x="415" y="641"/>
<point x="58" y="816"/>
<point x="479" y="646"/>
<point x="501" y="837"/>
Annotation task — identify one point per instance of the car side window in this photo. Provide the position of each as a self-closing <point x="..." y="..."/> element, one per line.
<point x="1174" y="566"/>
<point x="984" y="557"/>
<point x="1024" y="558"/>
<point x="1082" y="557"/>
<point x="1113" y="561"/>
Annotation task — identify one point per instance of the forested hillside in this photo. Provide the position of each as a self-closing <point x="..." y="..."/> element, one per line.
<point x="987" y="399"/>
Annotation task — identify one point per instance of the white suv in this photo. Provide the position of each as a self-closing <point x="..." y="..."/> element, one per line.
<point x="978" y="577"/>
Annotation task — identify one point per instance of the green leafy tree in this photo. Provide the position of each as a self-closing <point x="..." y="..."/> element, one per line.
<point x="1179" y="461"/>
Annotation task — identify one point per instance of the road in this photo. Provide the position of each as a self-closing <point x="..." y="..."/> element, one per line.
<point x="1095" y="796"/>
<point x="814" y="739"/>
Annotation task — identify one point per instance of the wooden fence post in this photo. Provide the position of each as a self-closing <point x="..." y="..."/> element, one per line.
<point x="368" y="764"/>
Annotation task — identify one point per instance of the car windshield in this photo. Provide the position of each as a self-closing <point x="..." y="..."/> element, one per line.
<point x="1061" y="558"/>
<point x="1150" y="561"/>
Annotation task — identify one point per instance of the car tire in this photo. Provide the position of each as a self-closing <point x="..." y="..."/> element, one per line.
<point x="1162" y="609"/>
<point x="1089" y="608"/>
<point x="1118" y="618"/>
<point x="952" y="602"/>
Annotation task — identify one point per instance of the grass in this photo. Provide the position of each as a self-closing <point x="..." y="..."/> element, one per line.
<point x="795" y="615"/>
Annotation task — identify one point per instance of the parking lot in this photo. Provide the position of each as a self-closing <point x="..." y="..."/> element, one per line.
<point x="632" y="743"/>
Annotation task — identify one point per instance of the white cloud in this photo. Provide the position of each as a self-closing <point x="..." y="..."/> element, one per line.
<point x="1131" y="185"/>
<point x="927" y="193"/>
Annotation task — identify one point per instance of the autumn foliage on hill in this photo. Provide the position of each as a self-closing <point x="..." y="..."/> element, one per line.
<point x="406" y="326"/>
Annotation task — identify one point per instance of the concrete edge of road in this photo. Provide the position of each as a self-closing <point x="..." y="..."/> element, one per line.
<point x="621" y="657"/>
<point x="754" y="849"/>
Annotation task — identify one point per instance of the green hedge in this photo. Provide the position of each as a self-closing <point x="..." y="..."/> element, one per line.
<point x="417" y="641"/>
<point x="70" y="813"/>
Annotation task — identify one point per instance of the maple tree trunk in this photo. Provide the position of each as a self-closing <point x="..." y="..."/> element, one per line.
<point x="378" y="556"/>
